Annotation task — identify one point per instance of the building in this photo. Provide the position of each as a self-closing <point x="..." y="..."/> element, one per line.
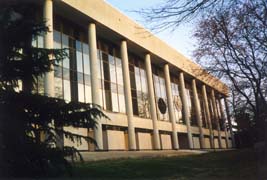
<point x="155" y="97"/>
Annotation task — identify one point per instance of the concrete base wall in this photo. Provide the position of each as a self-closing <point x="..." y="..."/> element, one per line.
<point x="144" y="141"/>
<point x="216" y="143"/>
<point x="207" y="142"/>
<point x="196" y="143"/>
<point x="76" y="144"/>
<point x="114" y="140"/>
<point x="166" y="142"/>
<point x="224" y="143"/>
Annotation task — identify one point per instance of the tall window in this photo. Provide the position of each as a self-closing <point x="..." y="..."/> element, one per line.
<point x="220" y="118"/>
<point x="111" y="77"/>
<point x="39" y="86"/>
<point x="203" y="114"/>
<point x="190" y="100"/>
<point x="72" y="80"/>
<point x="177" y="102"/>
<point x="139" y="87"/>
<point x="62" y="68"/>
<point x="160" y="92"/>
<point x="212" y="114"/>
<point x="83" y="72"/>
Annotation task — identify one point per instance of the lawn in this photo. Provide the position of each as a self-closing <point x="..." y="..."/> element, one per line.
<point x="238" y="164"/>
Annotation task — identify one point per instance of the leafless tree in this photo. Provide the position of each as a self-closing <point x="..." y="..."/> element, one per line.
<point x="232" y="44"/>
<point x="169" y="14"/>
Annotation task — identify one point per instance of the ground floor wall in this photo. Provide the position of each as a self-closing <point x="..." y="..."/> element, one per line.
<point x="115" y="135"/>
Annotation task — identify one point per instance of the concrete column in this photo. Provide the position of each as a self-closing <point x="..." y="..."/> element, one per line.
<point x="48" y="44"/>
<point x="185" y="109"/>
<point x="170" y="106"/>
<point x="229" y="122"/>
<point x="95" y="82"/>
<point x="128" y="95"/>
<point x="198" y="114"/>
<point x="224" y="123"/>
<point x="153" y="109"/>
<point x="207" y="111"/>
<point x="215" y="109"/>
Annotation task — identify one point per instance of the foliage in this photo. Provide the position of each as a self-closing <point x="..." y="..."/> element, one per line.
<point x="31" y="125"/>
<point x="232" y="45"/>
<point x="169" y="14"/>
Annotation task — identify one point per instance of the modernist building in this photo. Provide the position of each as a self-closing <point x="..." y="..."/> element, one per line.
<point x="154" y="96"/>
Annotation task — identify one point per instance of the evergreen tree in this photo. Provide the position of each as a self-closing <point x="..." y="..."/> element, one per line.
<point x="31" y="124"/>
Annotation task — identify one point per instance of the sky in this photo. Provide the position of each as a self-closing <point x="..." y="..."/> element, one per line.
<point x="181" y="39"/>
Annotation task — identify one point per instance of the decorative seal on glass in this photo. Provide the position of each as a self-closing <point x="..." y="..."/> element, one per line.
<point x="162" y="106"/>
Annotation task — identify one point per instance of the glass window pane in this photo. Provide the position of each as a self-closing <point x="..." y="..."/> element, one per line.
<point x="66" y="61"/>
<point x="104" y="57"/>
<point x="87" y="79"/>
<point x="40" y="41"/>
<point x="65" y="41"/>
<point x="34" y="42"/>
<point x="114" y="98"/>
<point x="135" y="107"/>
<point x="143" y="80"/>
<point x="58" y="71"/>
<point x="137" y="79"/>
<point x="122" y="103"/>
<point x="121" y="99"/>
<point x="79" y="60"/>
<point x="86" y="64"/>
<point x="132" y="78"/>
<point x="67" y="94"/>
<point x="85" y="48"/>
<point x="88" y="94"/>
<point x="106" y="71"/>
<point x="66" y="74"/>
<point x="81" y="93"/>
<point x="112" y="73"/>
<point x="80" y="78"/>
<point x="119" y="72"/>
<point x="41" y="85"/>
<point x="78" y="46"/>
<point x="57" y="39"/>
<point x="156" y="85"/>
<point x="58" y="88"/>
<point x="111" y="59"/>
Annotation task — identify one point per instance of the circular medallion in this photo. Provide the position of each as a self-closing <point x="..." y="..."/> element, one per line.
<point x="162" y="106"/>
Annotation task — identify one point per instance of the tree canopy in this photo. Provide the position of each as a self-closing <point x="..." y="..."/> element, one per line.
<point x="32" y="125"/>
<point x="232" y="44"/>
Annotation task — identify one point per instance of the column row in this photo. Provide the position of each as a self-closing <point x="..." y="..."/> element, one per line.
<point x="95" y="84"/>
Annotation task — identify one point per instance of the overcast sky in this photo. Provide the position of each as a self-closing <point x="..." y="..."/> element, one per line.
<point x="181" y="39"/>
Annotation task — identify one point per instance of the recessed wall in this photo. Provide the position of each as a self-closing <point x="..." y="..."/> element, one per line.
<point x="80" y="131"/>
<point x="144" y="140"/>
<point x="166" y="141"/>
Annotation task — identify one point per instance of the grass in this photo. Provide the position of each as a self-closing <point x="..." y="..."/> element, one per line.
<point x="239" y="164"/>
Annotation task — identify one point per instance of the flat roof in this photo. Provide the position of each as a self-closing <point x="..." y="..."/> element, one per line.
<point x="110" y="17"/>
